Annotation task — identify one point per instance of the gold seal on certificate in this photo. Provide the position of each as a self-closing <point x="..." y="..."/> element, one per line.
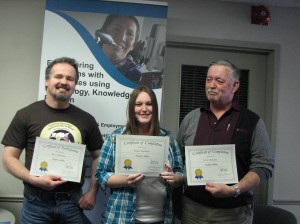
<point x="141" y="154"/>
<point x="211" y="163"/>
<point x="64" y="159"/>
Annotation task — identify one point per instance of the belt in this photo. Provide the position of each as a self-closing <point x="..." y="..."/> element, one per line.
<point x="161" y="222"/>
<point x="45" y="195"/>
<point x="150" y="222"/>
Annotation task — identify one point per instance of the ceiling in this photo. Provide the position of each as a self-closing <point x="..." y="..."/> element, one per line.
<point x="280" y="3"/>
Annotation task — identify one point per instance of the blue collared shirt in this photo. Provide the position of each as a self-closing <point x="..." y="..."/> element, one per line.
<point x="121" y="204"/>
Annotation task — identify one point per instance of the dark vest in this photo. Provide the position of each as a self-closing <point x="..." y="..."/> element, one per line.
<point x="242" y="137"/>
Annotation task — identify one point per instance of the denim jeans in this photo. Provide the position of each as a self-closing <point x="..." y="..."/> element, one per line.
<point x="51" y="208"/>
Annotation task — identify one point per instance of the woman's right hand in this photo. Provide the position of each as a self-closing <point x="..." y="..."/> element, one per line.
<point x="134" y="179"/>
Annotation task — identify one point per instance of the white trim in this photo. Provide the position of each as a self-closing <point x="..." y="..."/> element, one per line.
<point x="140" y="2"/>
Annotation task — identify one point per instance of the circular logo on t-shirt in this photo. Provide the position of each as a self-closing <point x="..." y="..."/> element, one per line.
<point x="62" y="131"/>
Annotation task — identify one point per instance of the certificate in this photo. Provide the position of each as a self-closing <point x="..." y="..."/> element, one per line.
<point x="59" y="158"/>
<point x="141" y="154"/>
<point x="211" y="163"/>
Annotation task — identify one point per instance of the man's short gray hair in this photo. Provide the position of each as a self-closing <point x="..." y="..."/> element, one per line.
<point x="235" y="75"/>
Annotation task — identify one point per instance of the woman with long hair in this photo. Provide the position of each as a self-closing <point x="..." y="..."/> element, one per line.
<point x="136" y="198"/>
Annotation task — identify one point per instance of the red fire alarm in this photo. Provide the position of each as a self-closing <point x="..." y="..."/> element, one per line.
<point x="260" y="15"/>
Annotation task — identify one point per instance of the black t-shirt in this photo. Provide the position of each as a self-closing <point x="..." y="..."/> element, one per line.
<point x="40" y="120"/>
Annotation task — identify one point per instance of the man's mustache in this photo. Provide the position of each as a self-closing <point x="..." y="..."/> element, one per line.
<point x="212" y="91"/>
<point x="66" y="87"/>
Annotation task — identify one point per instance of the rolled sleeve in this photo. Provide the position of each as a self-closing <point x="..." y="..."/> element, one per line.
<point x="178" y="165"/>
<point x="106" y="162"/>
<point x="262" y="161"/>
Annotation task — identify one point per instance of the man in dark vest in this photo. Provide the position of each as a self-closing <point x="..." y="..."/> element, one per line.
<point x="223" y="121"/>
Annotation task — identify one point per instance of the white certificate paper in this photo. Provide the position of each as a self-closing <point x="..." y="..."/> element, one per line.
<point x="59" y="158"/>
<point x="141" y="154"/>
<point x="211" y="163"/>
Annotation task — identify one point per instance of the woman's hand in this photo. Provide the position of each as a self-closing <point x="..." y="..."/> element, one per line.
<point x="170" y="177"/>
<point x="116" y="181"/>
<point x="134" y="179"/>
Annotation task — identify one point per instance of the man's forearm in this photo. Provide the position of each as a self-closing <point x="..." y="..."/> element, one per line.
<point x="93" y="184"/>
<point x="13" y="165"/>
<point x="249" y="181"/>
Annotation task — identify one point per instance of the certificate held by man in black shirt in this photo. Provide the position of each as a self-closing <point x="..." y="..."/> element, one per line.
<point x="60" y="158"/>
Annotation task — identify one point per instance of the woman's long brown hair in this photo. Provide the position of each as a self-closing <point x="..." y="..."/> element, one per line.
<point x="132" y="124"/>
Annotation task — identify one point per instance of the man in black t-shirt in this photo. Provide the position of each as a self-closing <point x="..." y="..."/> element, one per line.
<point x="48" y="198"/>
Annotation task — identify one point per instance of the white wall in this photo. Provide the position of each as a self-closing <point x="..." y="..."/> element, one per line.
<point x="21" y="29"/>
<point x="232" y="21"/>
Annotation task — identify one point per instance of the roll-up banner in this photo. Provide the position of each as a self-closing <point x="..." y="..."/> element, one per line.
<point x="118" y="45"/>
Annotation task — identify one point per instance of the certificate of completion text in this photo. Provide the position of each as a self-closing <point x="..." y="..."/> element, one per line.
<point x="58" y="158"/>
<point x="141" y="154"/>
<point x="211" y="163"/>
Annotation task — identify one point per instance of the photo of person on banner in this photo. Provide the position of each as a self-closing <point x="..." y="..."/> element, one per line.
<point x="119" y="38"/>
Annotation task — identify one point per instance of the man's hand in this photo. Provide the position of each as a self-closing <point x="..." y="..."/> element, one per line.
<point x="88" y="200"/>
<point x="47" y="182"/>
<point x="218" y="190"/>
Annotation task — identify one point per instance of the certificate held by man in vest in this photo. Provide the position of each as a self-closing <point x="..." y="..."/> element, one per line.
<point x="211" y="163"/>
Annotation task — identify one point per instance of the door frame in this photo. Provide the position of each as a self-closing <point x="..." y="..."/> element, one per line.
<point x="272" y="52"/>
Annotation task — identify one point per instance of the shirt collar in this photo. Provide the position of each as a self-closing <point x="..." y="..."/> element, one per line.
<point x="235" y="106"/>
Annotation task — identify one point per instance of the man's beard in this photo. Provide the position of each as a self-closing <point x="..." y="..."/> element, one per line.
<point x="61" y="97"/>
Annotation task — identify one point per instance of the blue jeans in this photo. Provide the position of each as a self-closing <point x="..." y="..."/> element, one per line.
<point x="51" y="208"/>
